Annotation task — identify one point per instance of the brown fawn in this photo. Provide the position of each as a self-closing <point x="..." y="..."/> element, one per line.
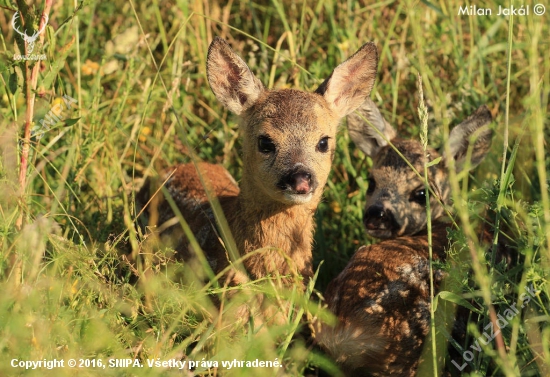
<point x="382" y="297"/>
<point x="288" y="145"/>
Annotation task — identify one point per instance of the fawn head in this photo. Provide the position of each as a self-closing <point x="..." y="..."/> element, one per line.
<point x="396" y="196"/>
<point x="288" y="134"/>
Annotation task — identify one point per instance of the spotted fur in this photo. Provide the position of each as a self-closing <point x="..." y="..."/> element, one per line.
<point x="382" y="298"/>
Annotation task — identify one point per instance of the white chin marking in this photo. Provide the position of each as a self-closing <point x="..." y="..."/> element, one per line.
<point x="298" y="198"/>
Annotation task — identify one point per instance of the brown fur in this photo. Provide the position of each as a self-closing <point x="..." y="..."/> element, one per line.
<point x="382" y="302"/>
<point x="288" y="144"/>
<point x="382" y="298"/>
<point x="391" y="210"/>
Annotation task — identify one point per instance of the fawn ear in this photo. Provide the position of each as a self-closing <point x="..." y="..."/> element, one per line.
<point x="230" y="78"/>
<point x="473" y="133"/>
<point x="351" y="82"/>
<point x="368" y="129"/>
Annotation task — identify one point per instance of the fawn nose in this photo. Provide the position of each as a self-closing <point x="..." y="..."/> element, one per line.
<point x="300" y="181"/>
<point x="376" y="217"/>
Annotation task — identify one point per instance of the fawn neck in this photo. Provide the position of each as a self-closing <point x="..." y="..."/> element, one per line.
<point x="284" y="231"/>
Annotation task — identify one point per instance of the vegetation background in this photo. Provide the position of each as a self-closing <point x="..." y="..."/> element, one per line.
<point x="77" y="278"/>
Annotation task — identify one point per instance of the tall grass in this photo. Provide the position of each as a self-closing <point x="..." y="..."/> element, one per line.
<point x="89" y="284"/>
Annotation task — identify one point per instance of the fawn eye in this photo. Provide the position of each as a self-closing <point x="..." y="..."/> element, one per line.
<point x="266" y="145"/>
<point x="372" y="186"/>
<point x="419" y="196"/>
<point x="322" y="146"/>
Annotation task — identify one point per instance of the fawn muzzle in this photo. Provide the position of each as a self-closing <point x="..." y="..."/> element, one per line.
<point x="302" y="183"/>
<point x="379" y="221"/>
<point x="298" y="181"/>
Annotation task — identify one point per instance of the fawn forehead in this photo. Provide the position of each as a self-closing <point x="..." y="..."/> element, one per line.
<point x="390" y="167"/>
<point x="292" y="112"/>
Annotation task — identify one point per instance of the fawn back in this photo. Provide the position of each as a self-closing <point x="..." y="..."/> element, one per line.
<point x="382" y="298"/>
<point x="288" y="144"/>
